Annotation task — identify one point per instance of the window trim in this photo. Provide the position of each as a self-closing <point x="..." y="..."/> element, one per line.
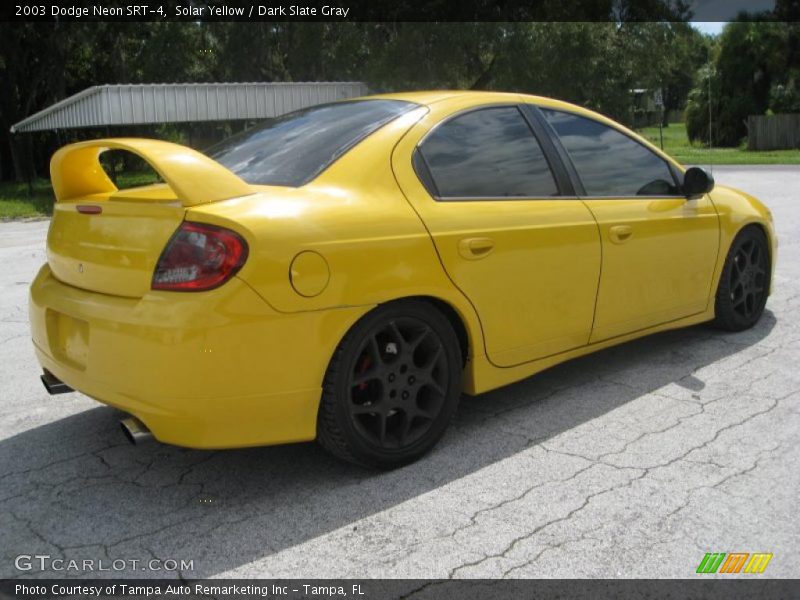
<point x="538" y="110"/>
<point x="557" y="171"/>
<point x="561" y="171"/>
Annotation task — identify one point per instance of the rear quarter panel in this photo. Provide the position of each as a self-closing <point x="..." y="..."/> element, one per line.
<point x="355" y="217"/>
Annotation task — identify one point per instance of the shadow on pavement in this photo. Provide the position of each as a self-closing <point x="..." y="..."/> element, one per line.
<point x="76" y="488"/>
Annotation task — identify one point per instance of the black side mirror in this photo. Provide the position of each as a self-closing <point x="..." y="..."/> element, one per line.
<point x="696" y="182"/>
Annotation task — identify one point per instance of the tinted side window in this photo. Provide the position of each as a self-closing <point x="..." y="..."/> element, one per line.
<point x="608" y="162"/>
<point x="485" y="153"/>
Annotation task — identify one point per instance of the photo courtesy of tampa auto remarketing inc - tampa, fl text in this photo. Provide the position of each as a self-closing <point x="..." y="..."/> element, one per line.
<point x="421" y="300"/>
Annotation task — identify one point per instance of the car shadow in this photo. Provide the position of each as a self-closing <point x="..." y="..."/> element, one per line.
<point x="75" y="488"/>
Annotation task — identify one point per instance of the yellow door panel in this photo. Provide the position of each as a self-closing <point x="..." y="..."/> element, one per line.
<point x="530" y="268"/>
<point x="659" y="256"/>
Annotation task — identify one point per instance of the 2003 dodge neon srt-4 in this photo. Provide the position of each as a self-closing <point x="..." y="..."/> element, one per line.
<point x="344" y="272"/>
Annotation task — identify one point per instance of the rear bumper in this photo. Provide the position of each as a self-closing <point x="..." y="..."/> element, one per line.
<point x="215" y="369"/>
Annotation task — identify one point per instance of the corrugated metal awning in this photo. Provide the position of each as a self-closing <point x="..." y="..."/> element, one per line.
<point x="139" y="104"/>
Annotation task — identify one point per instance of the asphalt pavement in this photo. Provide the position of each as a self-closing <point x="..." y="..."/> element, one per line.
<point x="632" y="462"/>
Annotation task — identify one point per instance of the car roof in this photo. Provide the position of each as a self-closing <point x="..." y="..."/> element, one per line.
<point x="429" y="97"/>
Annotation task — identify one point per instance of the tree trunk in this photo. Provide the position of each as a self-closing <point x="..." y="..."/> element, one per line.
<point x="16" y="159"/>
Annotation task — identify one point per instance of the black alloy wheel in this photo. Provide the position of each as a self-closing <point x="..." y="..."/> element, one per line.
<point x="392" y="386"/>
<point x="744" y="283"/>
<point x="398" y="383"/>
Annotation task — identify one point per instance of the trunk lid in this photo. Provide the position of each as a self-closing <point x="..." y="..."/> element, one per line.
<point x="116" y="250"/>
<point x="109" y="241"/>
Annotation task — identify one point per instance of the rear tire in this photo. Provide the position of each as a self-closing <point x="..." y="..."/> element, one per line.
<point x="744" y="282"/>
<point x="392" y="386"/>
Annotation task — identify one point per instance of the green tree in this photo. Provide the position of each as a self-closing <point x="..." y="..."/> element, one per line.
<point x="594" y="64"/>
<point x="34" y="71"/>
<point x="752" y="58"/>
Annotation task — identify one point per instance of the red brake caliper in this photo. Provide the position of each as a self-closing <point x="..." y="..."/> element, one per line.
<point x="366" y="363"/>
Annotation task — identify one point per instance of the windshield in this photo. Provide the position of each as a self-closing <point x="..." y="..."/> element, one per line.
<point x="294" y="148"/>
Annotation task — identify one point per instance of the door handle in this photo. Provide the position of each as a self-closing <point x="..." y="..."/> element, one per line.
<point x="620" y="234"/>
<point x="475" y="248"/>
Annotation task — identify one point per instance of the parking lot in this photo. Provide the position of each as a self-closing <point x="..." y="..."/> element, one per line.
<point x="632" y="462"/>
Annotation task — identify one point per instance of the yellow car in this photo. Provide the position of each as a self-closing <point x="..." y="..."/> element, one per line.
<point x="345" y="272"/>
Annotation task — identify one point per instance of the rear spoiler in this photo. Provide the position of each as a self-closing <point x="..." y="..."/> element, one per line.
<point x="76" y="172"/>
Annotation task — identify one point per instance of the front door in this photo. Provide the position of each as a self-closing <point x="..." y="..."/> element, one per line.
<point x="659" y="247"/>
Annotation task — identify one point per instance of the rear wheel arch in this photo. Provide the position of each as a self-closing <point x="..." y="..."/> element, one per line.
<point x="467" y="339"/>
<point x="456" y="322"/>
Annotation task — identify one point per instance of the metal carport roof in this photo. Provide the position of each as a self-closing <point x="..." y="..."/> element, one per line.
<point x="138" y="104"/>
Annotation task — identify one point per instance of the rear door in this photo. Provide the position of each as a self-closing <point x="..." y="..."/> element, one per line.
<point x="492" y="197"/>
<point x="659" y="248"/>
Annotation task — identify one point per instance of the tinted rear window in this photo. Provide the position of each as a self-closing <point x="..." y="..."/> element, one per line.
<point x="293" y="149"/>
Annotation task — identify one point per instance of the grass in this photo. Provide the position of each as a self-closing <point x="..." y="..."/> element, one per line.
<point x="19" y="201"/>
<point x="677" y="145"/>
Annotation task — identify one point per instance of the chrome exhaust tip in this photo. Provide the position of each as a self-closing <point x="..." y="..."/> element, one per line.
<point x="136" y="431"/>
<point x="53" y="384"/>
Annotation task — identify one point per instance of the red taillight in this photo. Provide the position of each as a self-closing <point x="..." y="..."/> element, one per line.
<point x="199" y="257"/>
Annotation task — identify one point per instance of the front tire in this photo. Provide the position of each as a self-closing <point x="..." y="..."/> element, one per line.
<point x="392" y="386"/>
<point x="744" y="282"/>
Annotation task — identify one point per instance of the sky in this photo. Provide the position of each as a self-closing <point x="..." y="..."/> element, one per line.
<point x="711" y="27"/>
<point x="716" y="10"/>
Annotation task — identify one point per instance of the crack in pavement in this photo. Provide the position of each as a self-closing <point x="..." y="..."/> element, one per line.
<point x="646" y="470"/>
<point x="517" y="540"/>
